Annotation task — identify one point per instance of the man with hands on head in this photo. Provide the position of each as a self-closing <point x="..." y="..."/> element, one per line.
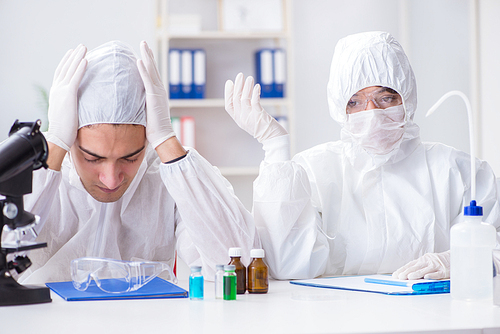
<point x="119" y="183"/>
<point x="377" y="201"/>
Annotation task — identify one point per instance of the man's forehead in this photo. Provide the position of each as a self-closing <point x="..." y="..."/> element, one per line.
<point x="109" y="140"/>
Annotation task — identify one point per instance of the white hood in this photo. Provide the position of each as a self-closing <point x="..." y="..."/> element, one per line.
<point x="369" y="59"/>
<point x="111" y="90"/>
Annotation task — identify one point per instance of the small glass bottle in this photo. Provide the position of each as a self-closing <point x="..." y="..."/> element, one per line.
<point x="258" y="281"/>
<point x="219" y="281"/>
<point x="230" y="282"/>
<point x="241" y="270"/>
<point x="196" y="283"/>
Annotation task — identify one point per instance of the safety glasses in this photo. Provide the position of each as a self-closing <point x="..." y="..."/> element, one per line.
<point x="115" y="276"/>
<point x="382" y="98"/>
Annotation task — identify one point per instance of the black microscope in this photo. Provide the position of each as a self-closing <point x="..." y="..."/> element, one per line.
<point x="24" y="151"/>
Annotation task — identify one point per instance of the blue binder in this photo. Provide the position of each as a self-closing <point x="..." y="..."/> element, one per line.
<point x="264" y="71"/>
<point x="279" y="77"/>
<point x="186" y="74"/>
<point x="157" y="288"/>
<point x="199" y="73"/>
<point x="174" y="73"/>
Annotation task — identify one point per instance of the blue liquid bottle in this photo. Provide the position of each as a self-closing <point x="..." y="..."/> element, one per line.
<point x="196" y="283"/>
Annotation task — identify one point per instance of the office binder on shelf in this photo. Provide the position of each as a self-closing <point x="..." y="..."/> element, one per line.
<point x="186" y="74"/>
<point x="174" y="74"/>
<point x="199" y="73"/>
<point x="157" y="288"/>
<point x="264" y="71"/>
<point x="188" y="131"/>
<point x="279" y="73"/>
<point x="387" y="285"/>
<point x="176" y="126"/>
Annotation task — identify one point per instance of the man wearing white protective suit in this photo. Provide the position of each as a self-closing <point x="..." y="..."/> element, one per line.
<point x="119" y="184"/>
<point x="377" y="201"/>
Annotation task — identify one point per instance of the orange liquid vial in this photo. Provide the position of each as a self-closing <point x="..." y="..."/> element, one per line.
<point x="241" y="270"/>
<point x="258" y="281"/>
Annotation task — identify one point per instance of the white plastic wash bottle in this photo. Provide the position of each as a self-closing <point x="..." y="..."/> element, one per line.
<point x="471" y="256"/>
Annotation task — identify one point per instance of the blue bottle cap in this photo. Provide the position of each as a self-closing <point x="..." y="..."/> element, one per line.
<point x="473" y="209"/>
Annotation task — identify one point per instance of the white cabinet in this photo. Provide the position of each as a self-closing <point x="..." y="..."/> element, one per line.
<point x="218" y="138"/>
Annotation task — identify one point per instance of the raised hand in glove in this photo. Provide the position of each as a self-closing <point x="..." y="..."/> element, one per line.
<point x="242" y="102"/>
<point x="63" y="115"/>
<point x="158" y="123"/>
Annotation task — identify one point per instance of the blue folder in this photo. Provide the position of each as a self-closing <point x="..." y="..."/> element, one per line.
<point x="157" y="288"/>
<point x="199" y="73"/>
<point x="279" y="76"/>
<point x="174" y="75"/>
<point x="264" y="72"/>
<point x="186" y="74"/>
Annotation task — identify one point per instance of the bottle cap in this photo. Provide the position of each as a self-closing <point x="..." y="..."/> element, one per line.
<point x="257" y="253"/>
<point x="195" y="269"/>
<point x="235" y="251"/>
<point x="473" y="209"/>
<point x="229" y="267"/>
<point x="219" y="267"/>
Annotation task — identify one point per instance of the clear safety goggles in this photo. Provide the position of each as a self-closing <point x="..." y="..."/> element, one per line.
<point x="115" y="276"/>
<point x="382" y="98"/>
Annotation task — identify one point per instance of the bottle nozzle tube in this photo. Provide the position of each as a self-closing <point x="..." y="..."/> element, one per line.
<point x="471" y="133"/>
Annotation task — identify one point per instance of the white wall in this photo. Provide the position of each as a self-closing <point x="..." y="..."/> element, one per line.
<point x="440" y="54"/>
<point x="489" y="84"/>
<point x="35" y="35"/>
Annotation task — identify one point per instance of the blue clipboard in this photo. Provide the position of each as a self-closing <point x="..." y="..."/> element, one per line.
<point x="383" y="284"/>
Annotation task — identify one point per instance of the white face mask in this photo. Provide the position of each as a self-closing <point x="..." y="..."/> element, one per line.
<point x="378" y="131"/>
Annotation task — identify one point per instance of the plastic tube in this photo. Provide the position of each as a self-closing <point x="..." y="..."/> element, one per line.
<point x="471" y="133"/>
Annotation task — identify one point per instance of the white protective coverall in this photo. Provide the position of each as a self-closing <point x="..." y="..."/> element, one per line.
<point x="378" y="211"/>
<point x="186" y="205"/>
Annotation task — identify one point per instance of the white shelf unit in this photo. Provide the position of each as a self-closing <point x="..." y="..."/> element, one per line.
<point x="218" y="138"/>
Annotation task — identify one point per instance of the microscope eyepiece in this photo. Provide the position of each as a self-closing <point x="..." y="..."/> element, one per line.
<point x="25" y="148"/>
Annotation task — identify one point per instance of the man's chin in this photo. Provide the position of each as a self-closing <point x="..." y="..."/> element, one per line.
<point x="106" y="199"/>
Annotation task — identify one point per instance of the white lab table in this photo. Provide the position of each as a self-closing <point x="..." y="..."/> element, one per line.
<point x="286" y="308"/>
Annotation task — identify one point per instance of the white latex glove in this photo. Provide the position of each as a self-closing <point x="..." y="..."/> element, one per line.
<point x="63" y="114"/>
<point x="429" y="266"/>
<point x="158" y="123"/>
<point x="243" y="105"/>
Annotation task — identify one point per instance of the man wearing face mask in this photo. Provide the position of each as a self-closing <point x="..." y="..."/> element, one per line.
<point x="377" y="201"/>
